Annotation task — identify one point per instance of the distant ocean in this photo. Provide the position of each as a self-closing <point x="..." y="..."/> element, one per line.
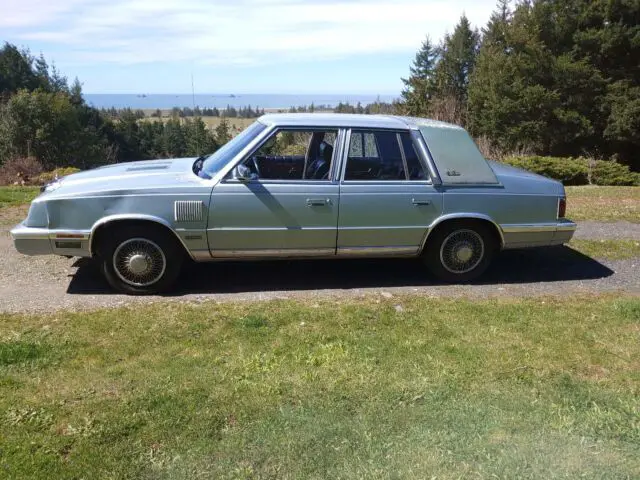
<point x="166" y="101"/>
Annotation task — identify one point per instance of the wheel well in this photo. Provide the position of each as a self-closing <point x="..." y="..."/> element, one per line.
<point x="492" y="227"/>
<point x="101" y="232"/>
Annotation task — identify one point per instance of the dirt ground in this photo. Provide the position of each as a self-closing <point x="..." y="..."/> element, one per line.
<point x="48" y="283"/>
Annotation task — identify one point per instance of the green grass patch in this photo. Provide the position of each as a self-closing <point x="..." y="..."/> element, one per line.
<point x="605" y="204"/>
<point x="376" y="388"/>
<point x="607" y="249"/>
<point x="12" y="196"/>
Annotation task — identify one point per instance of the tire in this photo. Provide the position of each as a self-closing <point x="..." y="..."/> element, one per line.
<point x="140" y="260"/>
<point x="460" y="251"/>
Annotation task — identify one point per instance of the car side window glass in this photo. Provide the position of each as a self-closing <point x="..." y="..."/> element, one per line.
<point x="374" y="156"/>
<point x="414" y="165"/>
<point x="294" y="155"/>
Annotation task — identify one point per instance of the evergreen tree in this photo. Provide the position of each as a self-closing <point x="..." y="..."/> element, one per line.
<point x="223" y="135"/>
<point x="458" y="54"/>
<point x="419" y="87"/>
<point x="495" y="33"/>
<point x="560" y="77"/>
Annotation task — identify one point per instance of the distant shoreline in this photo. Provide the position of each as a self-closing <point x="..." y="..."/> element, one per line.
<point x="268" y="102"/>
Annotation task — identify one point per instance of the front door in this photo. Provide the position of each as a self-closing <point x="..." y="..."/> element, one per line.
<point x="387" y="201"/>
<point x="288" y="207"/>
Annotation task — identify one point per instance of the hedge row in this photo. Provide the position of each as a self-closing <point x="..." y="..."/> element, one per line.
<point x="577" y="171"/>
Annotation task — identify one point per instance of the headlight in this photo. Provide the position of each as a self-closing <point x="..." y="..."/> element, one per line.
<point x="37" y="216"/>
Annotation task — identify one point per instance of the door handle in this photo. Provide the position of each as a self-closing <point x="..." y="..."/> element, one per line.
<point x="318" y="202"/>
<point x="418" y="202"/>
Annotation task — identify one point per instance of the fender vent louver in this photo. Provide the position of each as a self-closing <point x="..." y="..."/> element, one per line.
<point x="188" y="211"/>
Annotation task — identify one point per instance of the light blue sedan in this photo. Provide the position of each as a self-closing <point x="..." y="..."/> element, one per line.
<point x="301" y="186"/>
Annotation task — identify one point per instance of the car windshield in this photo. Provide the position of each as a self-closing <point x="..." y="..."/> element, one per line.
<point x="214" y="162"/>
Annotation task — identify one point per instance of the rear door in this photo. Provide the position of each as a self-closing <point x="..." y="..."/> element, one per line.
<point x="387" y="200"/>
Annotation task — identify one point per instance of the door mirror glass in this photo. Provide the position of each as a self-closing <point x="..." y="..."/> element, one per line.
<point x="242" y="173"/>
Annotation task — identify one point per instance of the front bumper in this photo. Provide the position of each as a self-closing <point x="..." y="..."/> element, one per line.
<point x="43" y="241"/>
<point x="538" y="234"/>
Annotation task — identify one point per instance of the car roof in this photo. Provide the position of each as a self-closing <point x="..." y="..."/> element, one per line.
<point x="350" y="120"/>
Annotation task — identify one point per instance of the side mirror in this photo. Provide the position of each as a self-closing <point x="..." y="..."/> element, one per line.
<point x="242" y="173"/>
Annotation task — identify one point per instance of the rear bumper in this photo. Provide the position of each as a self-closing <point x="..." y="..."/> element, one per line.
<point x="43" y="241"/>
<point x="538" y="234"/>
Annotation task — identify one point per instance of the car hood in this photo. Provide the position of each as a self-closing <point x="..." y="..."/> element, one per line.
<point x="127" y="176"/>
<point x="522" y="181"/>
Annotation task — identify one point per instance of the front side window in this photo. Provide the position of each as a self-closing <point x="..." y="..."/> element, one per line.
<point x="294" y="155"/>
<point x="213" y="163"/>
<point x="382" y="155"/>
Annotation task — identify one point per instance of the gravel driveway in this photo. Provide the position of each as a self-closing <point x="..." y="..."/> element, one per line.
<point x="608" y="231"/>
<point x="48" y="283"/>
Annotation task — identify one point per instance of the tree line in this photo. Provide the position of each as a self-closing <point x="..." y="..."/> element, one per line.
<point x="547" y="77"/>
<point x="544" y="77"/>
<point x="44" y="117"/>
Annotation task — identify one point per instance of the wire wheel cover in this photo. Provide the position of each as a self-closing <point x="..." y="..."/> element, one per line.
<point x="139" y="262"/>
<point x="462" y="251"/>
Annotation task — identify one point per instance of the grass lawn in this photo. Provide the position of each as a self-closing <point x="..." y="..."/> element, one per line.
<point x="14" y="203"/>
<point x="392" y="388"/>
<point x="607" y="249"/>
<point x="237" y="124"/>
<point x="14" y="196"/>
<point x="605" y="204"/>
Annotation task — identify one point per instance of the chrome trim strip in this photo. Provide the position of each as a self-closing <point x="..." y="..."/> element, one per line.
<point x="265" y="229"/>
<point x="377" y="251"/>
<point x="461" y="216"/>
<point x="539" y="227"/>
<point x="135" y="216"/>
<point x="566" y="226"/>
<point x="385" y="227"/>
<point x="23" y="232"/>
<point x="201" y="255"/>
<point x="275" y="252"/>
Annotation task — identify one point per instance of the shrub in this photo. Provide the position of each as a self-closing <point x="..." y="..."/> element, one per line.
<point x="47" y="177"/>
<point x="20" y="171"/>
<point x="577" y="171"/>
<point x="570" y="171"/>
<point x="612" y="173"/>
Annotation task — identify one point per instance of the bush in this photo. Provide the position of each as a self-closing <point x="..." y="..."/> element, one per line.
<point x="570" y="171"/>
<point x="47" y="177"/>
<point x="612" y="173"/>
<point x="20" y="171"/>
<point x="577" y="171"/>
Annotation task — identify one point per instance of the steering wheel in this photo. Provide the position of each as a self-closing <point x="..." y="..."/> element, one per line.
<point x="255" y="166"/>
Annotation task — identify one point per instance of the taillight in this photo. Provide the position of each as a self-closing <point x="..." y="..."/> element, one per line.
<point x="562" y="207"/>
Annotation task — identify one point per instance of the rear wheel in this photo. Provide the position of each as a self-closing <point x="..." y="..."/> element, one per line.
<point x="141" y="260"/>
<point x="460" y="251"/>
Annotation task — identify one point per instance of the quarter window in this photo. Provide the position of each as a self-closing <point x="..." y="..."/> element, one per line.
<point x="414" y="165"/>
<point x="382" y="155"/>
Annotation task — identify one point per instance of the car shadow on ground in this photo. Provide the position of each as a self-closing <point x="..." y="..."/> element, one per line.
<point x="511" y="267"/>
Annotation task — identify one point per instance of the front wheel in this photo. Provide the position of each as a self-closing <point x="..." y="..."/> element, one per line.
<point x="460" y="251"/>
<point x="141" y="260"/>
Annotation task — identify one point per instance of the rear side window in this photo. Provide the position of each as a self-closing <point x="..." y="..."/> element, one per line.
<point x="382" y="155"/>
<point x="414" y="166"/>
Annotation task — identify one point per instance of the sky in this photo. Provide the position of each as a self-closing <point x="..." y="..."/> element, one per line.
<point x="234" y="46"/>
